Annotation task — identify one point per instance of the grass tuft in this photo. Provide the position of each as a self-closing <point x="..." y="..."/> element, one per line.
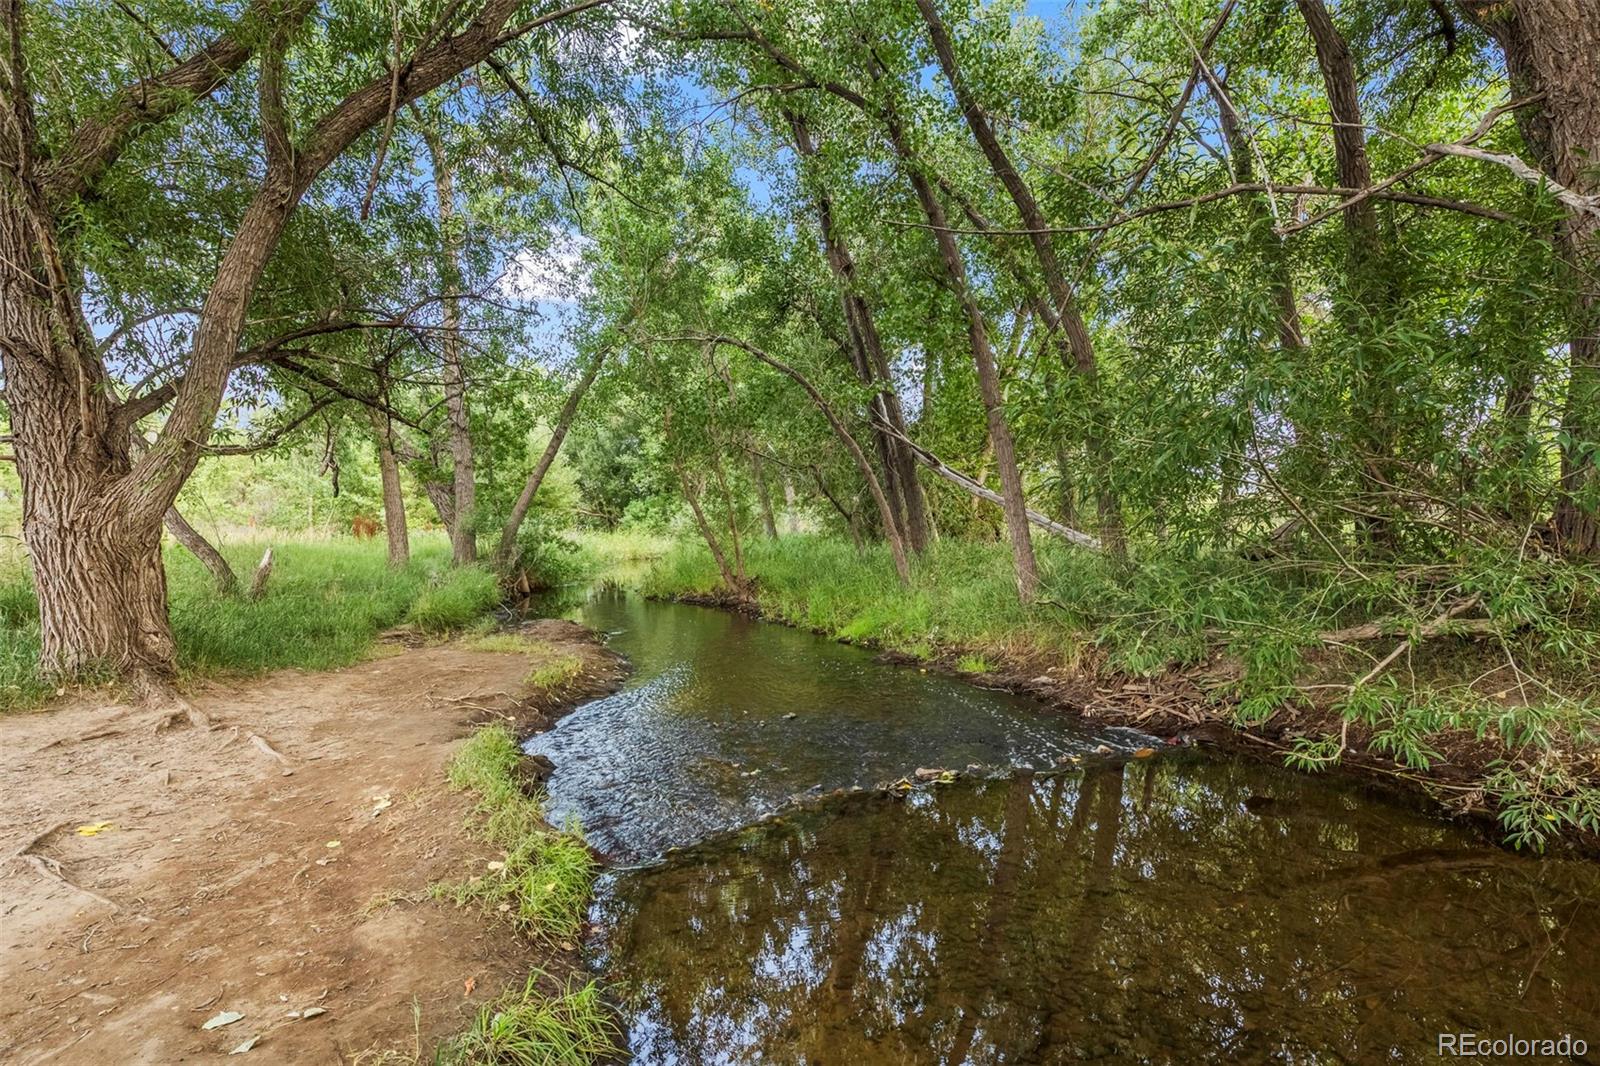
<point x="454" y="599"/>
<point x="543" y="878"/>
<point x="526" y="1027"/>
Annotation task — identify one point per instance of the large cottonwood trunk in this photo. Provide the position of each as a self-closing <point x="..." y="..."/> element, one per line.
<point x="96" y="558"/>
<point x="463" y="531"/>
<point x="1552" y="47"/>
<point x="394" y="503"/>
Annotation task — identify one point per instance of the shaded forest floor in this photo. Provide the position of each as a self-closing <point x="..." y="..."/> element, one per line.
<point x="153" y="881"/>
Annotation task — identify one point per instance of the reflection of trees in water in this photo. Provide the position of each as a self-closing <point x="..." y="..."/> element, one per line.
<point x="1043" y="920"/>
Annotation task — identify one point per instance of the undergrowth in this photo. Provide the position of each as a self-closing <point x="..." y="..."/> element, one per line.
<point x="542" y="879"/>
<point x="527" y="1027"/>
<point x="326" y="602"/>
<point x="1516" y="696"/>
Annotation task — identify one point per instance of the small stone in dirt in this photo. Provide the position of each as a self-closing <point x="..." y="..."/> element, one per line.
<point x="1043" y="679"/>
<point x="227" y="1017"/>
<point x="1102" y="749"/>
<point x="927" y="773"/>
<point x="790" y="715"/>
<point x="246" y="1046"/>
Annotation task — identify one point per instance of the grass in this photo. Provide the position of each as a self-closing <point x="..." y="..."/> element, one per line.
<point x="326" y="602"/>
<point x="1520" y="710"/>
<point x="543" y="878"/>
<point x="555" y="673"/>
<point x="526" y="1027"/>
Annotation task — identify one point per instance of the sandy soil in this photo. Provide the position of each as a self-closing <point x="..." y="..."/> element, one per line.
<point x="230" y="879"/>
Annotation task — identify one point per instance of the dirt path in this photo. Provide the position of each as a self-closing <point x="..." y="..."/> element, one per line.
<point x="230" y="880"/>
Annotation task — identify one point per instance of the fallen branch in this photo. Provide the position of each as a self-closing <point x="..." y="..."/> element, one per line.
<point x="968" y="485"/>
<point x="1429" y="630"/>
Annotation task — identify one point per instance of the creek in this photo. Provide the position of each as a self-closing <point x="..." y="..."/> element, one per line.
<point x="1061" y="900"/>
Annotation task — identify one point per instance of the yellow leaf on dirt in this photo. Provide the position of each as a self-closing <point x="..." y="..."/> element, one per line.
<point x="470" y="984"/>
<point x="1144" y="753"/>
<point x="335" y="844"/>
<point x="94" y="829"/>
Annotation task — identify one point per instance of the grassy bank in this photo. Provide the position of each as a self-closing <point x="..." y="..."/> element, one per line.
<point x="325" y="602"/>
<point x="1494" y="709"/>
<point x="541" y="883"/>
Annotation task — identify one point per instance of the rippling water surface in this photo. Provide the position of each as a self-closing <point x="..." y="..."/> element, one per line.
<point x="1178" y="909"/>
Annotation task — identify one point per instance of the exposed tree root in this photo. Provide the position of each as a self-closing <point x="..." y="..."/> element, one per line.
<point x="50" y="869"/>
<point x="267" y="749"/>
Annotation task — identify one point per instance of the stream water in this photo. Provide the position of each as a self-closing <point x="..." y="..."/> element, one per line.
<point x="1181" y="908"/>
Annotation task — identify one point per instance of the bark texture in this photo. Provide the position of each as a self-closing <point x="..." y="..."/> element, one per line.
<point x="394" y="503"/>
<point x="463" y="534"/>
<point x="1552" y="47"/>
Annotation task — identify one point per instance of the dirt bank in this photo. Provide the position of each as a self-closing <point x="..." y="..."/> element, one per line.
<point x="230" y="879"/>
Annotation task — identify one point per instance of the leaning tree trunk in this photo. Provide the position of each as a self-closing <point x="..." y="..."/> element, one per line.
<point x="394" y="503"/>
<point x="201" y="548"/>
<point x="908" y="503"/>
<point x="569" y="411"/>
<point x="1065" y="318"/>
<point x="1552" y="48"/>
<point x="463" y="534"/>
<point x="1000" y="439"/>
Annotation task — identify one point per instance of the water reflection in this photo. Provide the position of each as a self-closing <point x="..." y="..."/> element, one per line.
<point x="1176" y="910"/>
<point x="725" y="719"/>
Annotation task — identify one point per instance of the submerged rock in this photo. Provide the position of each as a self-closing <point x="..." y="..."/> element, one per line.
<point x="532" y="772"/>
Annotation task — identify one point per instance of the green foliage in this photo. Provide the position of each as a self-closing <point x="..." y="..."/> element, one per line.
<point x="543" y="878"/>
<point x="529" y="1027"/>
<point x="454" y="599"/>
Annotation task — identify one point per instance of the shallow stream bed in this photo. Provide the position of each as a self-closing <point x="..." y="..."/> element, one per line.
<point x="1064" y="902"/>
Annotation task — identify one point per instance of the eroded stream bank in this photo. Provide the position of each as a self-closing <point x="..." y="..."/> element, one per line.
<point x="1180" y="908"/>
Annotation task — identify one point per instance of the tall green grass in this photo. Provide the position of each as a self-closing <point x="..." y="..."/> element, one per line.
<point x="325" y="602"/>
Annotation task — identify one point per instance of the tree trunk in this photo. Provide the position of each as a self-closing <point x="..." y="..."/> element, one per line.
<point x="96" y="559"/>
<point x="908" y="502"/>
<point x="1000" y="440"/>
<point x="201" y="548"/>
<point x="463" y="534"/>
<point x="394" y="504"/>
<point x="569" y="411"/>
<point x="1552" y="47"/>
<point x="897" y="548"/>
<point x="1065" y="320"/>
<point x="769" y="521"/>
<point x="1367" y="277"/>
<point x="691" y="493"/>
